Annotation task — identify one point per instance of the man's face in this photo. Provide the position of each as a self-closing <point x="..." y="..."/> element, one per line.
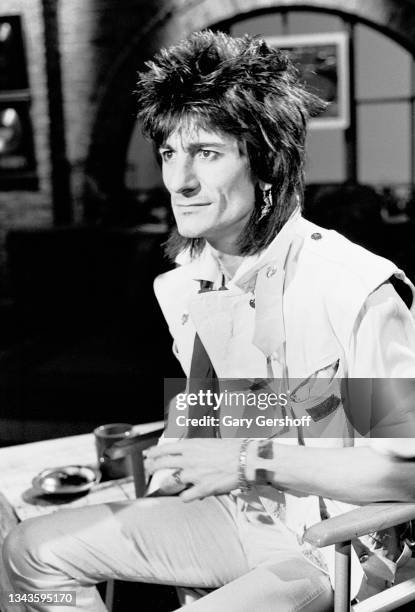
<point x="210" y="183"/>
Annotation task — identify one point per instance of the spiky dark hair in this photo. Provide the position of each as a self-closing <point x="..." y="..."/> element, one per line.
<point x="242" y="87"/>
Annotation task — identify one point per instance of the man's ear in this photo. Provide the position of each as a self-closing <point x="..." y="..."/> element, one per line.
<point x="264" y="186"/>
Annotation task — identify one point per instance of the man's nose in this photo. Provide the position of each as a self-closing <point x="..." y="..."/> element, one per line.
<point x="183" y="178"/>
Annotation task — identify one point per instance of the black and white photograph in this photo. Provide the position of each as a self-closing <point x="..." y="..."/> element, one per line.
<point x="207" y="305"/>
<point x="322" y="61"/>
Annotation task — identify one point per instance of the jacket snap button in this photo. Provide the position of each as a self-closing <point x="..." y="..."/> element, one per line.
<point x="316" y="236"/>
<point x="363" y="558"/>
<point x="252" y="303"/>
<point x="185" y="317"/>
<point x="271" y="271"/>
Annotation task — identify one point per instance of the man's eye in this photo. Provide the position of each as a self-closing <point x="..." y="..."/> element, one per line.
<point x="207" y="154"/>
<point x="166" y="155"/>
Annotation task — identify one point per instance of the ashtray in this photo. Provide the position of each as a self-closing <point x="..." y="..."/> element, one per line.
<point x="66" y="480"/>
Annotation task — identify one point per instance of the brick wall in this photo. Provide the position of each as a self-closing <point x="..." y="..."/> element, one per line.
<point x="92" y="34"/>
<point x="21" y="207"/>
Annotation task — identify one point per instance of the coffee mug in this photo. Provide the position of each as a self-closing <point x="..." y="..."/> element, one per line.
<point x="105" y="437"/>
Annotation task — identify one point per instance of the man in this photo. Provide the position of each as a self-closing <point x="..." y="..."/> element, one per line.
<point x="262" y="296"/>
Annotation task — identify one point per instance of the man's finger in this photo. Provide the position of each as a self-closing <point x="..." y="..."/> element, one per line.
<point x="192" y="494"/>
<point x="198" y="491"/>
<point x="158" y="463"/>
<point x="173" y="448"/>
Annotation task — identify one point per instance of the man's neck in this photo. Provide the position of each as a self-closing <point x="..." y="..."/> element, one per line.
<point x="229" y="263"/>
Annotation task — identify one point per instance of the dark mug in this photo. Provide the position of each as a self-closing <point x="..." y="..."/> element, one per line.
<point x="105" y="437"/>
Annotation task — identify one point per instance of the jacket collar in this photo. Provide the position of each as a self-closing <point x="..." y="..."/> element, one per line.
<point x="208" y="267"/>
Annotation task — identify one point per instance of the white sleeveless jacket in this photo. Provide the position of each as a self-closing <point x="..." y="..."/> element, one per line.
<point x="309" y="288"/>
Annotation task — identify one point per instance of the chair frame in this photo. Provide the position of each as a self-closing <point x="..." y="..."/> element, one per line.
<point x="341" y="530"/>
<point x="338" y="531"/>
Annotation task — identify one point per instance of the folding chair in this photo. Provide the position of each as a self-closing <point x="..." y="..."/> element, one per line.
<point x="338" y="531"/>
<point x="341" y="530"/>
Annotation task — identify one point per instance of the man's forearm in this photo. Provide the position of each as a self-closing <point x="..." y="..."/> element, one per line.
<point x="354" y="475"/>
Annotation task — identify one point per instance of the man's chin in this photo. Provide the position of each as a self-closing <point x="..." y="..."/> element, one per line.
<point x="187" y="232"/>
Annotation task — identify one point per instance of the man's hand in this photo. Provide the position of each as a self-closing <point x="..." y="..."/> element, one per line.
<point x="210" y="466"/>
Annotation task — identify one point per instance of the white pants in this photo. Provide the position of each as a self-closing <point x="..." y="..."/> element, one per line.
<point x="160" y="540"/>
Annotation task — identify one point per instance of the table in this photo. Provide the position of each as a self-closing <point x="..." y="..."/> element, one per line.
<point x="20" y="464"/>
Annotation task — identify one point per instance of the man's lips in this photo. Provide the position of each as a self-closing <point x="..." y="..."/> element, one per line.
<point x="194" y="204"/>
<point x="183" y="209"/>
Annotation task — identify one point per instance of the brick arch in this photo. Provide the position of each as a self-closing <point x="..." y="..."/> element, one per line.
<point x="115" y="117"/>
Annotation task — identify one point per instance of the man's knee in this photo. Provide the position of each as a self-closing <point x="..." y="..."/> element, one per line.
<point x="26" y="548"/>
